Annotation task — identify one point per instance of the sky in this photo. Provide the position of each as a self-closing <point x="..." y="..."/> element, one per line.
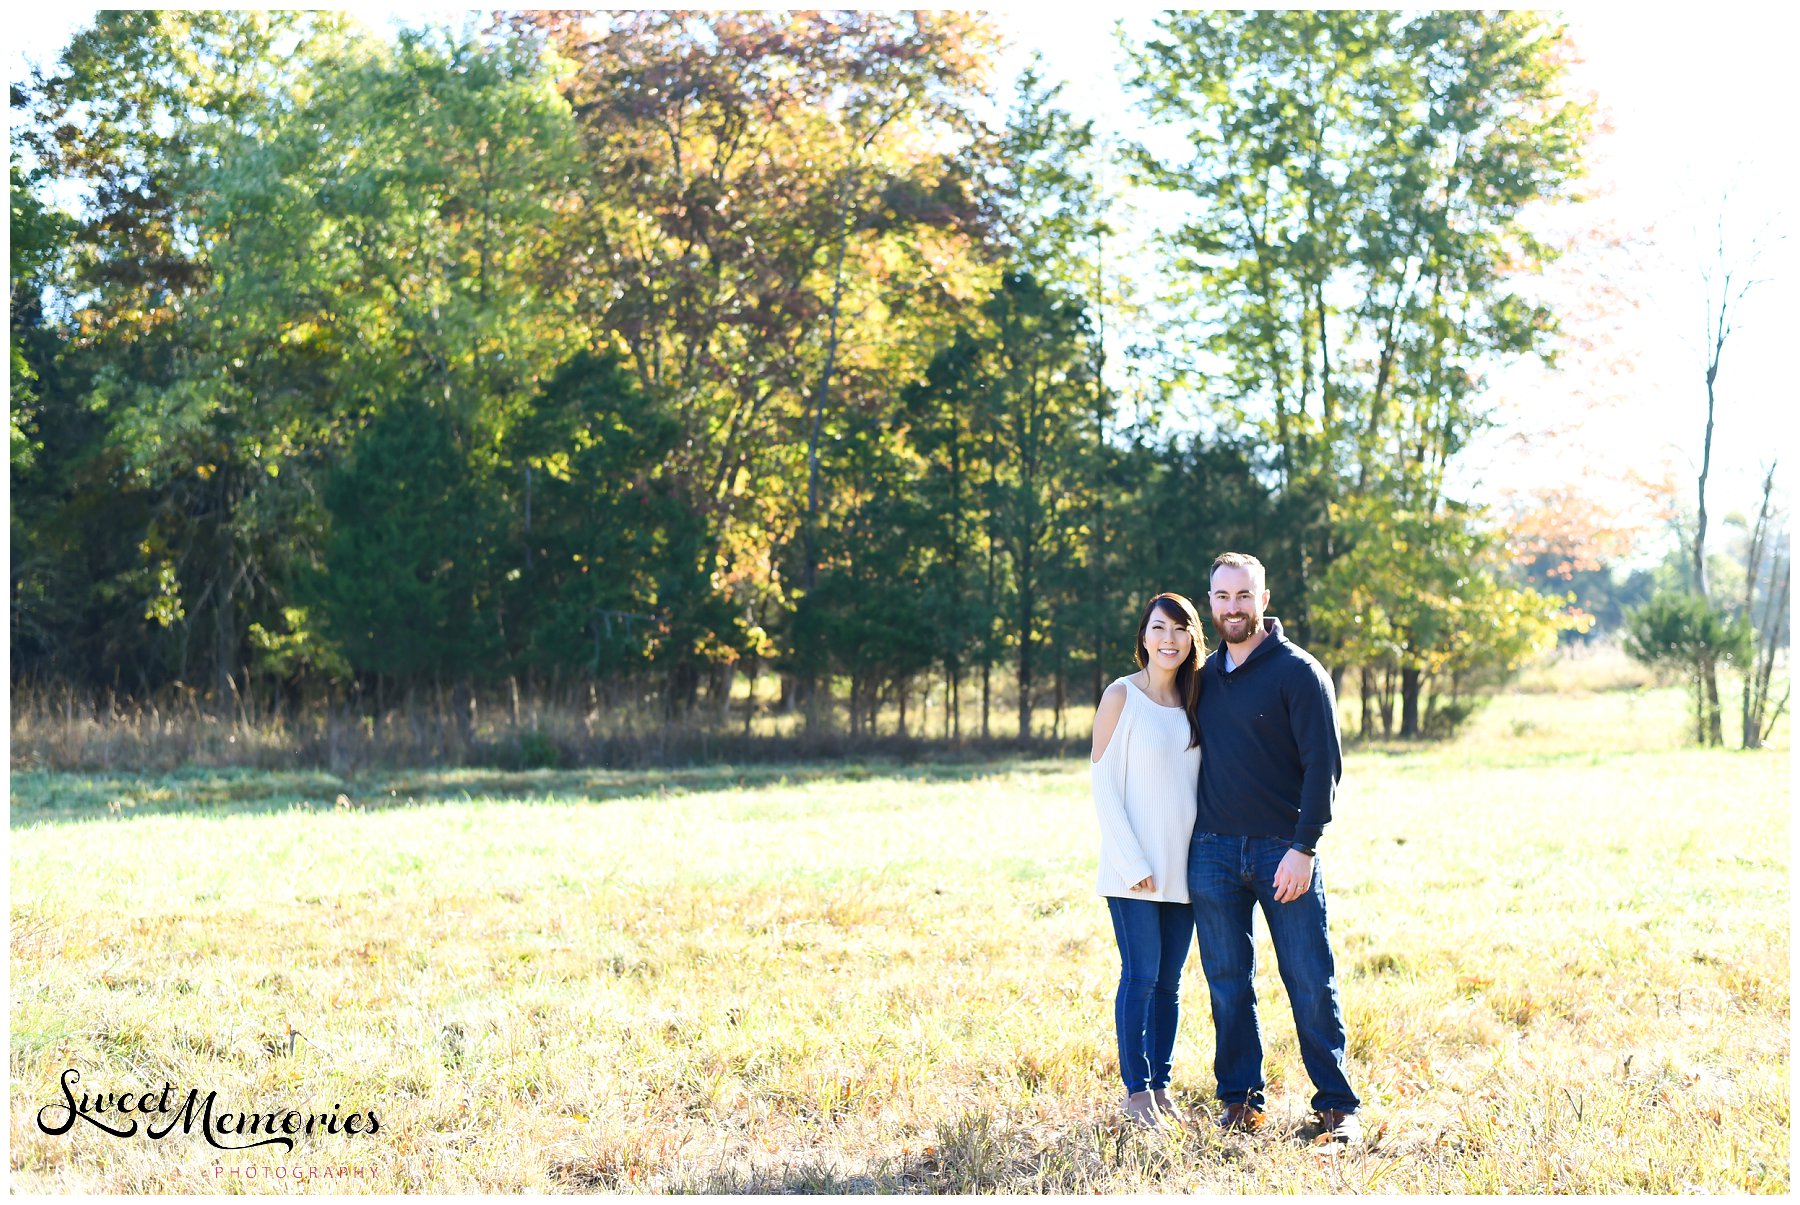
<point x="1696" y="108"/>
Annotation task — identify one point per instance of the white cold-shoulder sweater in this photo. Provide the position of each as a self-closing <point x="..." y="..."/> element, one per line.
<point x="1144" y="788"/>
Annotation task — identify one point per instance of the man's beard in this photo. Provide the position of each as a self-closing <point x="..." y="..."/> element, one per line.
<point x="1225" y="622"/>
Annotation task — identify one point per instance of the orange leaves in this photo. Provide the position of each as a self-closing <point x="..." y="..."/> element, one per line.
<point x="1565" y="530"/>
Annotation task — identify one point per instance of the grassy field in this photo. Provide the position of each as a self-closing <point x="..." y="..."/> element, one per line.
<point x="1563" y="948"/>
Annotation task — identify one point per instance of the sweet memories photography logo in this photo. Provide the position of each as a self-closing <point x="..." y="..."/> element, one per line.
<point x="162" y="1113"/>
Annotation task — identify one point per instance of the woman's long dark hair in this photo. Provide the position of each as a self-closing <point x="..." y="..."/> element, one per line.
<point x="1187" y="677"/>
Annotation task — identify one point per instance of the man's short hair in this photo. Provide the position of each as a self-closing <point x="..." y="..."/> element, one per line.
<point x="1240" y="560"/>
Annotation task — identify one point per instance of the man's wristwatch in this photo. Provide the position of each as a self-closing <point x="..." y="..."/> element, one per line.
<point x="1301" y="849"/>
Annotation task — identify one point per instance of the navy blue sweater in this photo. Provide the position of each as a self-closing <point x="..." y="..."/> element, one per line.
<point x="1270" y="757"/>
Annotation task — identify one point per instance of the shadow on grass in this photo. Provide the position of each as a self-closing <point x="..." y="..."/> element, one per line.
<point x="58" y="797"/>
<point x="987" y="1151"/>
<point x="814" y="1177"/>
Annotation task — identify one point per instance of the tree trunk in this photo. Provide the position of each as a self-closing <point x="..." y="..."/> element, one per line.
<point x="750" y="676"/>
<point x="1762" y="719"/>
<point x="723" y="680"/>
<point x="412" y="720"/>
<point x="1062" y="694"/>
<point x="1756" y="674"/>
<point x="954" y="687"/>
<point x="462" y="708"/>
<point x="1099" y="682"/>
<point x="823" y="394"/>
<point x="1700" y="582"/>
<point x="1699" y="707"/>
<point x="1751" y="728"/>
<point x="1025" y="666"/>
<point x="1409" y="703"/>
<point x="949" y="706"/>
<point x="1719" y="329"/>
<point x="1387" y="702"/>
<point x="225" y="630"/>
<point x="986" y="696"/>
<point x="1710" y="681"/>
<point x="1368" y="702"/>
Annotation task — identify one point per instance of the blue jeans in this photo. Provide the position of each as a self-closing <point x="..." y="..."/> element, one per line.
<point x="1227" y="878"/>
<point x="1153" y="941"/>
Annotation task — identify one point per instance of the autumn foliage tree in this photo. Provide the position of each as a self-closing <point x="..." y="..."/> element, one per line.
<point x="759" y="193"/>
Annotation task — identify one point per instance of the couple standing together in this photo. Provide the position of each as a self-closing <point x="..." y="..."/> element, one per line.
<point x="1213" y="779"/>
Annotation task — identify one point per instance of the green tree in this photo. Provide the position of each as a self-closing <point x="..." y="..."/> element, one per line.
<point x="1357" y="182"/>
<point x="612" y="571"/>
<point x="1053" y="226"/>
<point x="1683" y="633"/>
<point x="37" y="232"/>
<point x="940" y="412"/>
<point x="1421" y="593"/>
<point x="136" y="115"/>
<point x="371" y="242"/>
<point x="1039" y="376"/>
<point x="403" y="587"/>
<point x="870" y="615"/>
<point x="38" y="559"/>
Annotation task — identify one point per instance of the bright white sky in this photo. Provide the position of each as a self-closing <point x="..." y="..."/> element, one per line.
<point x="1696" y="102"/>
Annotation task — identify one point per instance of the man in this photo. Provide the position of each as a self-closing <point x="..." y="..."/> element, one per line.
<point x="1270" y="762"/>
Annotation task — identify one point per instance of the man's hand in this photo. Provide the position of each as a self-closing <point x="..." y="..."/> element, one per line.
<point x="1293" y="878"/>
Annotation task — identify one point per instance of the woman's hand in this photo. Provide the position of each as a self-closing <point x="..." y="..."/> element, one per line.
<point x="1147" y="883"/>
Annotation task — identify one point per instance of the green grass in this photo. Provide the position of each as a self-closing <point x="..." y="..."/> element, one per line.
<point x="1562" y="944"/>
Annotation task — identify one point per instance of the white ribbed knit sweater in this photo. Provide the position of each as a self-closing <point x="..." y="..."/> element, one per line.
<point x="1144" y="794"/>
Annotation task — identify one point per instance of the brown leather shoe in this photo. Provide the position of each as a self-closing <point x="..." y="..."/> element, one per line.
<point x="1337" y="1126"/>
<point x="1243" y="1116"/>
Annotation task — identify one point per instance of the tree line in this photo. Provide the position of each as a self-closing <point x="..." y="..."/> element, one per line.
<point x="636" y="352"/>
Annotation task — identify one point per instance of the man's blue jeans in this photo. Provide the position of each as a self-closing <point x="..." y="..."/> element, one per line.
<point x="1227" y="878"/>
<point x="1153" y="941"/>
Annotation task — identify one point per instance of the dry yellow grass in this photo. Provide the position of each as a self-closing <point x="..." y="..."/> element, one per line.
<point x="1563" y="948"/>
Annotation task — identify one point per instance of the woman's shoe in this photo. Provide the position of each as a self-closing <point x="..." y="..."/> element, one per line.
<point x="1165" y="1104"/>
<point x="1140" y="1109"/>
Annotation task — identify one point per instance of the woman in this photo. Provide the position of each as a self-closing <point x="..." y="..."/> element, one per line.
<point x="1146" y="763"/>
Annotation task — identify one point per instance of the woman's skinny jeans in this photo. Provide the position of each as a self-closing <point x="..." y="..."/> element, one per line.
<point x="1153" y="941"/>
